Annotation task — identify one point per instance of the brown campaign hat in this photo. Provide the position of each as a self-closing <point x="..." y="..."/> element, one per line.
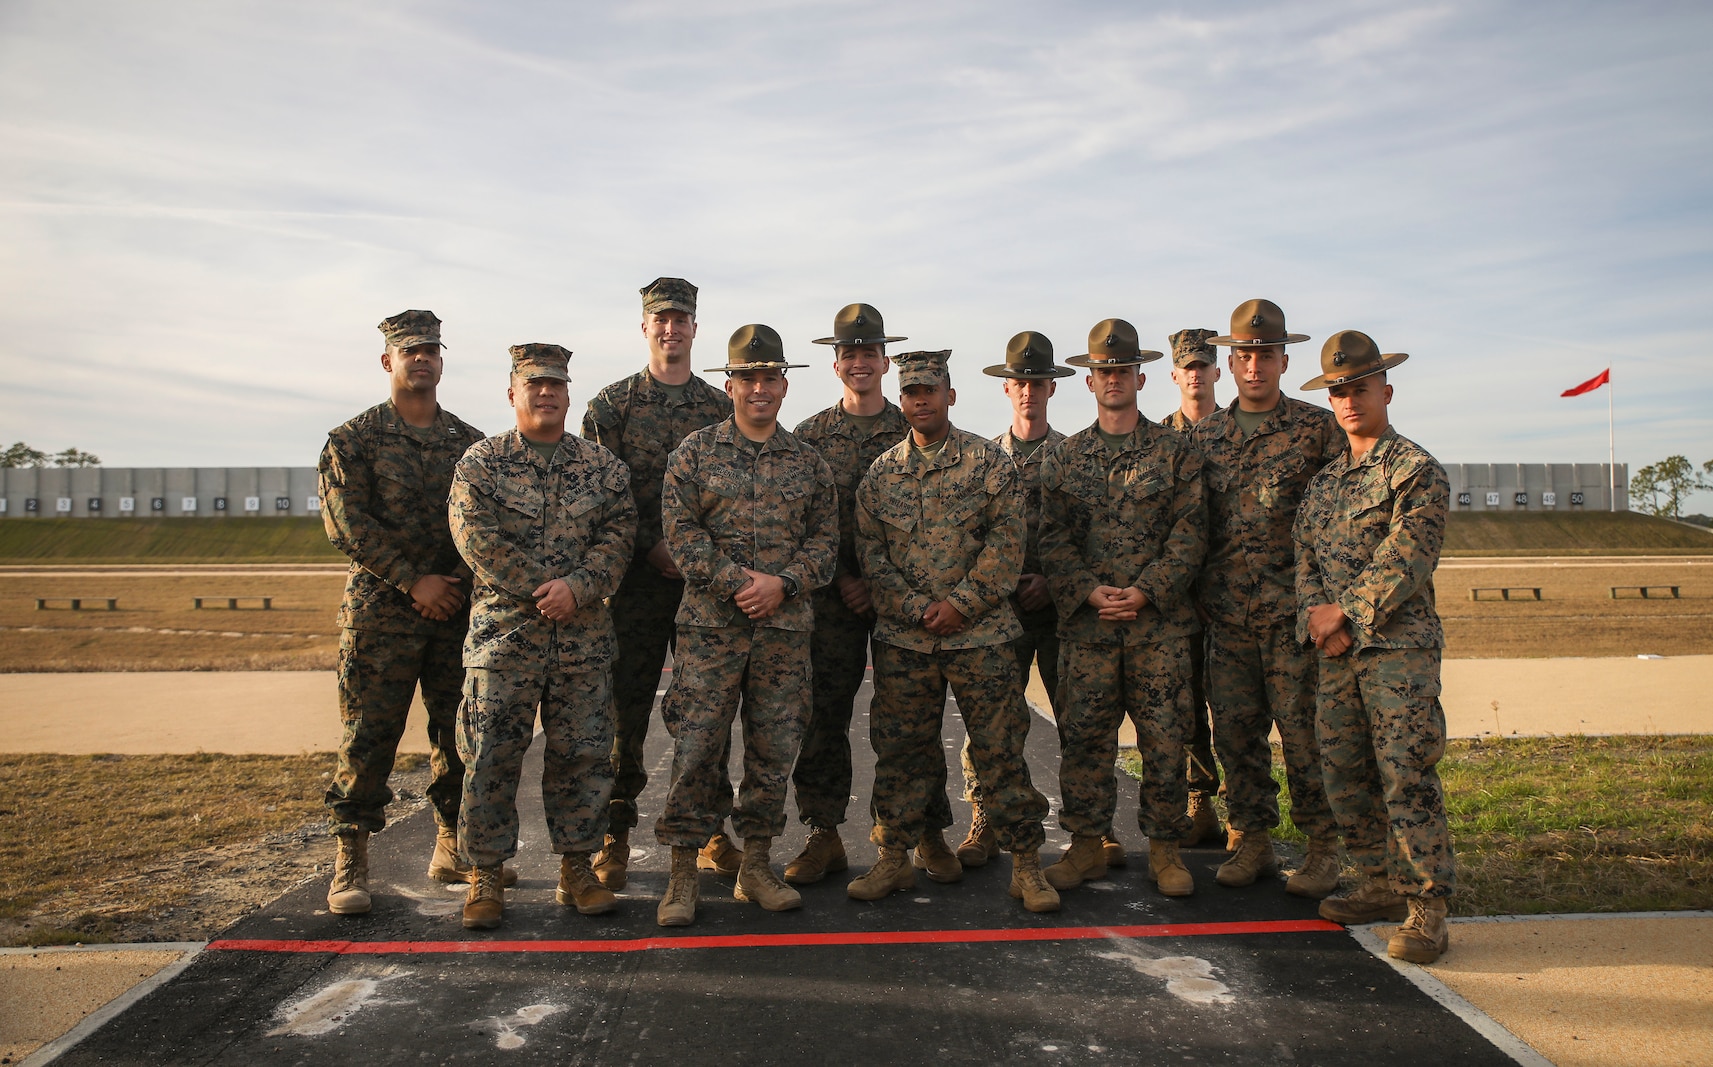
<point x="923" y="368"/>
<point x="668" y="294"/>
<point x="1028" y="355"/>
<point x="1256" y="323"/>
<point x="1190" y="346"/>
<point x="540" y="361"/>
<point x="1349" y="355"/>
<point x="858" y="324"/>
<point x="411" y="328"/>
<point x="755" y="347"/>
<point x="1113" y="343"/>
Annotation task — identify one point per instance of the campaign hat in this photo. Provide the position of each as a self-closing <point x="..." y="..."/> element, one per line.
<point x="1114" y="343"/>
<point x="1256" y="323"/>
<point x="1349" y="355"/>
<point x="1029" y="356"/>
<point x="858" y="324"/>
<point x="755" y="347"/>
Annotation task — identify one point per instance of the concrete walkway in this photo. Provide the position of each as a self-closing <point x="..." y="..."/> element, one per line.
<point x="288" y="712"/>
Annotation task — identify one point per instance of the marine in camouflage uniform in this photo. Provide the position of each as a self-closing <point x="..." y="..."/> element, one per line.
<point x="641" y="420"/>
<point x="383" y="485"/>
<point x="1190" y="350"/>
<point x="742" y="515"/>
<point x="1259" y="459"/>
<point x="547" y="528"/>
<point x="940" y="531"/>
<point x="1368" y="538"/>
<point x="1123" y="531"/>
<point x="838" y="647"/>
<point x="1030" y="382"/>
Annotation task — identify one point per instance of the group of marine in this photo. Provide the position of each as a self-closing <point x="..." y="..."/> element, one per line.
<point x="1213" y="576"/>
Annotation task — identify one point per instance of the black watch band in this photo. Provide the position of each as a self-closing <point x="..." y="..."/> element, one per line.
<point x="790" y="584"/>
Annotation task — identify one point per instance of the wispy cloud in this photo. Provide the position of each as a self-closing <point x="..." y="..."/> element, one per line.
<point x="207" y="206"/>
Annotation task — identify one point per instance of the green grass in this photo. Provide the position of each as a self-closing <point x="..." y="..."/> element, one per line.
<point x="1547" y="825"/>
<point x="1590" y="533"/>
<point x="231" y="540"/>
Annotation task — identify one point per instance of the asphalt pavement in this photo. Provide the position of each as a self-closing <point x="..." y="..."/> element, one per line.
<point x="948" y="974"/>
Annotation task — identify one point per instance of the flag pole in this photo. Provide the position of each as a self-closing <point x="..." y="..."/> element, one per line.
<point x="1611" y="443"/>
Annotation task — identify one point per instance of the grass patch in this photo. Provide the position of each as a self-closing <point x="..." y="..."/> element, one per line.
<point x="92" y="847"/>
<point x="1590" y="533"/>
<point x="1571" y="824"/>
<point x="234" y="540"/>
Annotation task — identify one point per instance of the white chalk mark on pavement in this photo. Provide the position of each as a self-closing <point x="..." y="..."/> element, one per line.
<point x="505" y="1027"/>
<point x="328" y="1008"/>
<point x="1189" y="978"/>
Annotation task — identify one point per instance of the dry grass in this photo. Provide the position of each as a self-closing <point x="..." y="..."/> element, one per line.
<point x="159" y="848"/>
<point x="1504" y="533"/>
<point x="156" y="628"/>
<point x="1576" y="615"/>
<point x="141" y="540"/>
<point x="1567" y="824"/>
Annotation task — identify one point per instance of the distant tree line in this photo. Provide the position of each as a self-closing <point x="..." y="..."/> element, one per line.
<point x="1661" y="488"/>
<point x="22" y="455"/>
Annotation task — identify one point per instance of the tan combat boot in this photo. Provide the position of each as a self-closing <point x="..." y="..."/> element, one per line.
<point x="822" y="854"/>
<point x="980" y="844"/>
<point x="891" y="873"/>
<point x="757" y="882"/>
<point x="485" y="903"/>
<point x="447" y="866"/>
<point x="678" y="904"/>
<point x="1254" y="857"/>
<point x="1370" y="902"/>
<point x="1318" y="876"/>
<point x="1083" y="862"/>
<point x="932" y="855"/>
<point x="1029" y="885"/>
<point x="1204" y="821"/>
<point x="1167" y="866"/>
<point x="349" y="892"/>
<point x="719" y="856"/>
<point x="1423" y="937"/>
<point x="612" y="864"/>
<point x="578" y="886"/>
<point x="1113" y="849"/>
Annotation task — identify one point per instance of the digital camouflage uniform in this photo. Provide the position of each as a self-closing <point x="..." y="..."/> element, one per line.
<point x="1039" y="645"/>
<point x="1199" y="765"/>
<point x="640" y="423"/>
<point x="521" y="522"/>
<point x="383" y="486"/>
<point x="838" y="648"/>
<point x="1259" y="674"/>
<point x="728" y="504"/>
<point x="945" y="527"/>
<point x="1368" y="538"/>
<point x="1132" y="518"/>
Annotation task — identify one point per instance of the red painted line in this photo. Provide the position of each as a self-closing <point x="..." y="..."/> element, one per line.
<point x="885" y="937"/>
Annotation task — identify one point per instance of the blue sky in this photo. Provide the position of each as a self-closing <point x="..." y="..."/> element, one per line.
<point x="207" y="207"/>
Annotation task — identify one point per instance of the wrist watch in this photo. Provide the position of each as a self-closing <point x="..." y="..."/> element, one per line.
<point x="790" y="585"/>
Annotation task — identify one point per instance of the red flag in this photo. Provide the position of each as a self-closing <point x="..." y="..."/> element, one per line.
<point x="1590" y="385"/>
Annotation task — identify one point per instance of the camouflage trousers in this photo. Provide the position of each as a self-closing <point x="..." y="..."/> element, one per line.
<point x="838" y="653"/>
<point x="1098" y="686"/>
<point x="1257" y="678"/>
<point x="1382" y="732"/>
<point x="1039" y="648"/>
<point x="1199" y="765"/>
<point x="718" y="673"/>
<point x="378" y="675"/>
<point x="643" y="610"/>
<point x="496" y="724"/>
<point x="905" y="721"/>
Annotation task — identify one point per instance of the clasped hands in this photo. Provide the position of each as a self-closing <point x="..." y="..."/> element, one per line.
<point x="1117" y="605"/>
<point x="1329" y="627"/>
